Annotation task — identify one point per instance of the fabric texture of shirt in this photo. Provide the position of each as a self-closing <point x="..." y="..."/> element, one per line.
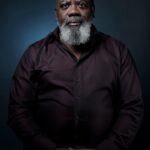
<point x="58" y="100"/>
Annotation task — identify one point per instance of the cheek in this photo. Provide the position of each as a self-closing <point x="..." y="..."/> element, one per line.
<point x="60" y="17"/>
<point x="87" y="15"/>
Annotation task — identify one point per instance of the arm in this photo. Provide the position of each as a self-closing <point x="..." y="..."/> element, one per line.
<point x="22" y="97"/>
<point x="130" y="108"/>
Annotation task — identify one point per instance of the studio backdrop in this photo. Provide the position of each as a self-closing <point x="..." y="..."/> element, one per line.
<point x="23" y="22"/>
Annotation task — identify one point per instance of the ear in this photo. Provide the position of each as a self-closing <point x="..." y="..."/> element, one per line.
<point x="93" y="11"/>
<point x="56" y="9"/>
<point x="56" y="14"/>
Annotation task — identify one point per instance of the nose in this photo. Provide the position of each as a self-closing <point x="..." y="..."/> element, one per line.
<point x="74" y="11"/>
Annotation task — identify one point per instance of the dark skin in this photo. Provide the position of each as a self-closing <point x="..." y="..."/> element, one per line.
<point x="72" y="8"/>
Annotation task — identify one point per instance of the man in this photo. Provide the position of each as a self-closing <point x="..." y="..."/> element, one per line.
<point x="77" y="88"/>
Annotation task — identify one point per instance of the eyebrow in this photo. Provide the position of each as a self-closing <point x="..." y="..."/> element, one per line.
<point x="83" y="0"/>
<point x="76" y="0"/>
<point x="62" y="0"/>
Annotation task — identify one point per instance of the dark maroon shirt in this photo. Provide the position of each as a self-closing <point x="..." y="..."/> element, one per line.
<point x="58" y="100"/>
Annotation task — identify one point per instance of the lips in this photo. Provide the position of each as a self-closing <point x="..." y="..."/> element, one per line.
<point x="74" y="23"/>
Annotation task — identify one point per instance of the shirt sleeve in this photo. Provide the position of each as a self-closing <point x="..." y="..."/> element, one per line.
<point x="130" y="113"/>
<point x="21" y="104"/>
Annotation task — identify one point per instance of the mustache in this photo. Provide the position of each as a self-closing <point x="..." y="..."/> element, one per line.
<point x="73" y="19"/>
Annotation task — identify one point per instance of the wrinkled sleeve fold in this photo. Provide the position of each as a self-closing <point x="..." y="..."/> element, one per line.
<point x="21" y="104"/>
<point x="130" y="113"/>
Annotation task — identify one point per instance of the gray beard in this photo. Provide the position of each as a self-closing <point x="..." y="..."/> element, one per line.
<point x="75" y="36"/>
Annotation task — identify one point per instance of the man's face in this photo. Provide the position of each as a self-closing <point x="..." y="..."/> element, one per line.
<point x="71" y="9"/>
<point x="74" y="20"/>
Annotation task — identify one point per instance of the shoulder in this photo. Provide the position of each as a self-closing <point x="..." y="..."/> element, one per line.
<point x="34" y="50"/>
<point x="112" y="45"/>
<point x="110" y="41"/>
<point x="38" y="45"/>
<point x="117" y="50"/>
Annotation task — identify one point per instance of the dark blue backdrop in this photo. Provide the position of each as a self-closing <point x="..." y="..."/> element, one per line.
<point x="25" y="21"/>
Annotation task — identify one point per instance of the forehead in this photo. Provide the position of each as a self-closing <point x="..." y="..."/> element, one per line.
<point x="58" y="1"/>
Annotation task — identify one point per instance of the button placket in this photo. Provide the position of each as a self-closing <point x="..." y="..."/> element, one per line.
<point x="77" y="93"/>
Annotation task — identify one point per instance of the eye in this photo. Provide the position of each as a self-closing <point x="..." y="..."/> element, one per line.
<point x="83" y="5"/>
<point x="64" y="5"/>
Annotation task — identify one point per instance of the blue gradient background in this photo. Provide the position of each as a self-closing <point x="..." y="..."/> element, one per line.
<point x="23" y="22"/>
